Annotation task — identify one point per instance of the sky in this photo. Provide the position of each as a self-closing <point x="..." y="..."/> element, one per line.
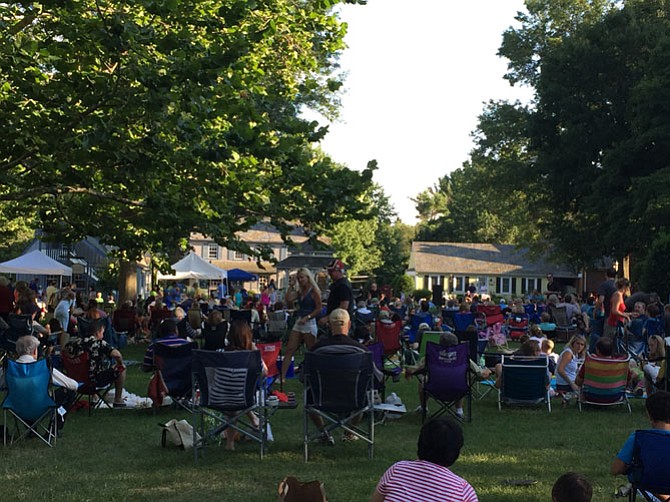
<point x="419" y="73"/>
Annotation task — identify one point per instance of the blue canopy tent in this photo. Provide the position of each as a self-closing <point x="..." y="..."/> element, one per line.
<point x="238" y="275"/>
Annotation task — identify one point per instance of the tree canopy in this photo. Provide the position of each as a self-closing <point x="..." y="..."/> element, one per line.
<point x="139" y="122"/>
<point x="582" y="171"/>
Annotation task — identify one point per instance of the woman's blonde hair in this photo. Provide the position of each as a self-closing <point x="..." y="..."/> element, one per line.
<point x="307" y="273"/>
<point x="575" y="338"/>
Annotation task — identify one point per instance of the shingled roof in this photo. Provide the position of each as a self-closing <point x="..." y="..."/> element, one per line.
<point x="472" y="259"/>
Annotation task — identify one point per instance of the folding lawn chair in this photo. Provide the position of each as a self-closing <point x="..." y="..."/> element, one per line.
<point x="226" y="386"/>
<point x="524" y="381"/>
<point x="19" y="325"/>
<point x="415" y="321"/>
<point x="339" y="388"/>
<point x="565" y="329"/>
<point x="277" y="325"/>
<point x="270" y="353"/>
<point x="650" y="471"/>
<point x="492" y="313"/>
<point x="172" y="364"/>
<point x="428" y="336"/>
<point x="388" y="333"/>
<point x="447" y="379"/>
<point x="29" y="401"/>
<point x="604" y="382"/>
<point x="517" y="325"/>
<point x="77" y="367"/>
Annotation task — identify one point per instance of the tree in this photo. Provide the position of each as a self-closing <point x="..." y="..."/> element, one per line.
<point x="543" y="28"/>
<point x="601" y="137"/>
<point x="488" y="200"/>
<point x="140" y="122"/>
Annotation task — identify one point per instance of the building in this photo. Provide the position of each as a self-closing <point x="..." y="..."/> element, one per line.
<point x="263" y="234"/>
<point x="493" y="269"/>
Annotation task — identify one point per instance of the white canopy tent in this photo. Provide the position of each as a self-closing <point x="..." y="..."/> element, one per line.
<point x="35" y="263"/>
<point x="192" y="266"/>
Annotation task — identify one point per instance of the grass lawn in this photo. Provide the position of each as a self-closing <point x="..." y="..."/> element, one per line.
<point x="116" y="455"/>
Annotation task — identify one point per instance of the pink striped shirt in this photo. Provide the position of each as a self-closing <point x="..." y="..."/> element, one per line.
<point x="422" y="481"/>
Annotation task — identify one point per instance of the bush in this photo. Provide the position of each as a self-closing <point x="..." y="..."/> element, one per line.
<point x="656" y="267"/>
<point x="421" y="294"/>
<point x="403" y="284"/>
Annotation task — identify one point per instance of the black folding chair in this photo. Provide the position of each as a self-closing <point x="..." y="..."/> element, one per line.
<point x="339" y="388"/>
<point x="225" y="387"/>
<point x="524" y="381"/>
<point x="19" y="325"/>
<point x="173" y="364"/>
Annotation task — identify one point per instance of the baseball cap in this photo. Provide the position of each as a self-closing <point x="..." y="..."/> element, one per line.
<point x="338" y="317"/>
<point x="336" y="265"/>
<point x="424" y="326"/>
<point x="448" y="339"/>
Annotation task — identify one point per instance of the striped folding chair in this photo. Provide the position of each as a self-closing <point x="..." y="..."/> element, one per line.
<point x="604" y="382"/>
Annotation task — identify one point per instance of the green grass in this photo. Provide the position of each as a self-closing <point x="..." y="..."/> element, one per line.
<point x="116" y="455"/>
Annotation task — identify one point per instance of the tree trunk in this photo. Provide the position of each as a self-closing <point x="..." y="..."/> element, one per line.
<point x="127" y="281"/>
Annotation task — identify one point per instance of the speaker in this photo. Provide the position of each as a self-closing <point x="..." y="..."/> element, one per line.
<point x="437" y="294"/>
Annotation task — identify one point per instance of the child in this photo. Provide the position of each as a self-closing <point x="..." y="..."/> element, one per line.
<point x="571" y="487"/>
<point x="547" y="348"/>
<point x="546" y="325"/>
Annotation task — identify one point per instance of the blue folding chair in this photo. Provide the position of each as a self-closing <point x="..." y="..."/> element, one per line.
<point x="29" y="402"/>
<point x="447" y="379"/>
<point x="415" y="321"/>
<point x="650" y="472"/>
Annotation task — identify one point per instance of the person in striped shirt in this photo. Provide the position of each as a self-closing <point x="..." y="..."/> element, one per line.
<point x="428" y="479"/>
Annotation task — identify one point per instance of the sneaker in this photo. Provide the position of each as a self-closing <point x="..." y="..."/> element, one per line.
<point x="459" y="413"/>
<point x="348" y="437"/>
<point x="326" y="438"/>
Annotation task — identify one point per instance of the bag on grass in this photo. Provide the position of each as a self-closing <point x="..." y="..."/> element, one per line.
<point x="178" y="433"/>
<point x="293" y="490"/>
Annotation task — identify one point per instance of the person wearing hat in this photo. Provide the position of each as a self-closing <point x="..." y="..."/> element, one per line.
<point x="341" y="295"/>
<point x="447" y="339"/>
<point x="339" y="342"/>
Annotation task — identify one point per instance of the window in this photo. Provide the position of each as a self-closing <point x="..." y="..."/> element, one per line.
<point x="239" y="256"/>
<point x="504" y="285"/>
<point x="213" y="252"/>
<point x="459" y="284"/>
<point x="528" y="284"/>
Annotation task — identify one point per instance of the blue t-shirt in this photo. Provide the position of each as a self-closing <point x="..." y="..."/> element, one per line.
<point x="626" y="452"/>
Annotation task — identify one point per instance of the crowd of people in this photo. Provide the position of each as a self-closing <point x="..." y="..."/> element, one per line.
<point x="607" y="323"/>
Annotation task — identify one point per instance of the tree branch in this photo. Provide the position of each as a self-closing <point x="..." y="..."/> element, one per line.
<point x="67" y="190"/>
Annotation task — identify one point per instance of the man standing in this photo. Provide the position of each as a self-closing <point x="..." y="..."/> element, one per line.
<point x="605" y="292"/>
<point x="602" y="307"/>
<point x="553" y="287"/>
<point x="341" y="295"/>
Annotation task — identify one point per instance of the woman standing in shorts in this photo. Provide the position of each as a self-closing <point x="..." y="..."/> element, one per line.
<point x="309" y="306"/>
